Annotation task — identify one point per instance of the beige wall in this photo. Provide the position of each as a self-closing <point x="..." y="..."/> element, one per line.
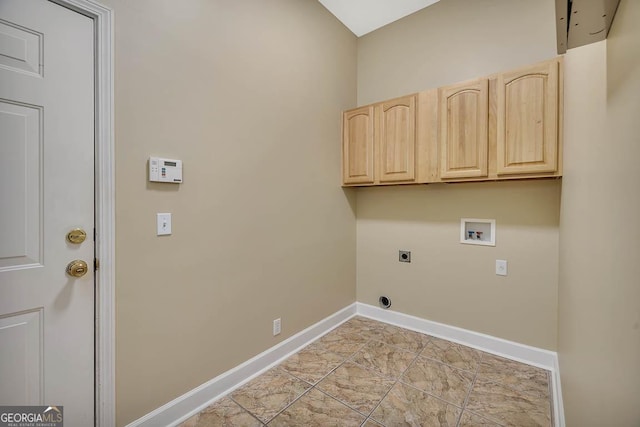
<point x="448" y="282"/>
<point x="599" y="300"/>
<point x="452" y="41"/>
<point x="456" y="284"/>
<point x="248" y="94"/>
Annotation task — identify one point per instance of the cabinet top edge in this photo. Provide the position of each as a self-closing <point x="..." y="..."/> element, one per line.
<point x="493" y="76"/>
<point x="373" y="104"/>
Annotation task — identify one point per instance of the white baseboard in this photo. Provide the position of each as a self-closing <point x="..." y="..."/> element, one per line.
<point x="511" y="350"/>
<point x="192" y="402"/>
<point x="558" y="405"/>
<point x="498" y="346"/>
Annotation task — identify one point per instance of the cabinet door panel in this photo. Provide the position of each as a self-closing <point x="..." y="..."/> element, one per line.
<point x="396" y="139"/>
<point x="357" y="146"/>
<point x="528" y="120"/>
<point x="464" y="116"/>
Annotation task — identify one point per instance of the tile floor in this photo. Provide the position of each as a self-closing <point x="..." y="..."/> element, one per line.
<point x="371" y="374"/>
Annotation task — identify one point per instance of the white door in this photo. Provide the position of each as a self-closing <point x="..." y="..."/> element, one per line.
<point x="46" y="190"/>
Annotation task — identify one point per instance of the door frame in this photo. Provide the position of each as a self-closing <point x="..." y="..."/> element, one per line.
<point x="104" y="207"/>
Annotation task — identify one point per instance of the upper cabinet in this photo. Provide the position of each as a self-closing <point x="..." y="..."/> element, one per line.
<point x="527" y="129"/>
<point x="379" y="143"/>
<point x="463" y="132"/>
<point x="505" y="126"/>
<point x="395" y="138"/>
<point x="357" y="146"/>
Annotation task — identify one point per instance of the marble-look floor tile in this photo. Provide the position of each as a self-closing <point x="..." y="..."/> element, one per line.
<point x="269" y="393"/>
<point x="403" y="338"/>
<point x="356" y="386"/>
<point x="509" y="407"/>
<point x="388" y="360"/>
<point x="456" y="355"/>
<point x="362" y="326"/>
<point x="355" y="368"/>
<point x="519" y="376"/>
<point x="469" y="419"/>
<point x="344" y="343"/>
<point x="371" y="423"/>
<point x="407" y="406"/>
<point x="312" y="363"/>
<point x="318" y="409"/>
<point x="440" y="380"/>
<point x="223" y="413"/>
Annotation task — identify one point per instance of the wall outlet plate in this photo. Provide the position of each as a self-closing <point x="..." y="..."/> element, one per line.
<point x="404" y="256"/>
<point x="277" y="327"/>
<point x="501" y="267"/>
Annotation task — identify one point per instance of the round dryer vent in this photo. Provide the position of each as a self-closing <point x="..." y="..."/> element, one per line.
<point x="385" y="302"/>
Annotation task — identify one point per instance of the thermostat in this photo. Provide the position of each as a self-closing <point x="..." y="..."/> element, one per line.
<point x="165" y="170"/>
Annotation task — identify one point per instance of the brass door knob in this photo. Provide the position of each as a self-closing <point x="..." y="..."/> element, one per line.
<point x="77" y="236"/>
<point x="77" y="268"/>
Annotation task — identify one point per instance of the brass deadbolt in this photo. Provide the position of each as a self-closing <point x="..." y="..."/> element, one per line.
<point x="76" y="236"/>
<point x="77" y="268"/>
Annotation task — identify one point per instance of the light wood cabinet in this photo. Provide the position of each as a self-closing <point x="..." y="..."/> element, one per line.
<point x="527" y="119"/>
<point x="357" y="146"/>
<point x="379" y="143"/>
<point x="504" y="126"/>
<point x="395" y="138"/>
<point x="463" y="131"/>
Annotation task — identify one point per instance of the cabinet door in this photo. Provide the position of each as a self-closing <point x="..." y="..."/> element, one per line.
<point x="357" y="146"/>
<point x="527" y="134"/>
<point x="396" y="139"/>
<point x="463" y="133"/>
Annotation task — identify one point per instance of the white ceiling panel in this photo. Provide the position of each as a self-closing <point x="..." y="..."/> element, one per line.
<point x="364" y="16"/>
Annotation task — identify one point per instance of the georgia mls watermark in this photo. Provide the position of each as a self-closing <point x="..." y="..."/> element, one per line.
<point x="31" y="416"/>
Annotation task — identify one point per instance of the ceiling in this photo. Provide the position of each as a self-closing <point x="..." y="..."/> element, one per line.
<point x="364" y="16"/>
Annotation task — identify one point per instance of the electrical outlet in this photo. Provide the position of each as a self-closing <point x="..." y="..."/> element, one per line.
<point x="277" y="327"/>
<point x="501" y="267"/>
<point x="404" y="256"/>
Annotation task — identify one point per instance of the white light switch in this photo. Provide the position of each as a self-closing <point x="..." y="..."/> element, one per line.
<point x="501" y="267"/>
<point x="164" y="224"/>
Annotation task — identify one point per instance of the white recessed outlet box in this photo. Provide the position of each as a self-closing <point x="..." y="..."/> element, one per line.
<point x="474" y="231"/>
<point x="164" y="224"/>
<point x="165" y="170"/>
<point x="501" y="267"/>
<point x="277" y="324"/>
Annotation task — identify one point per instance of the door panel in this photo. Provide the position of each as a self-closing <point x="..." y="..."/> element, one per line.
<point x="20" y="48"/>
<point x="397" y="139"/>
<point x="463" y="132"/>
<point x="47" y="189"/>
<point x="21" y="183"/>
<point x="528" y="120"/>
<point x="358" y="146"/>
<point x="21" y="355"/>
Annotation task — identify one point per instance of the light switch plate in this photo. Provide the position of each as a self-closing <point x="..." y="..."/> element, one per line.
<point x="164" y="224"/>
<point x="501" y="267"/>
